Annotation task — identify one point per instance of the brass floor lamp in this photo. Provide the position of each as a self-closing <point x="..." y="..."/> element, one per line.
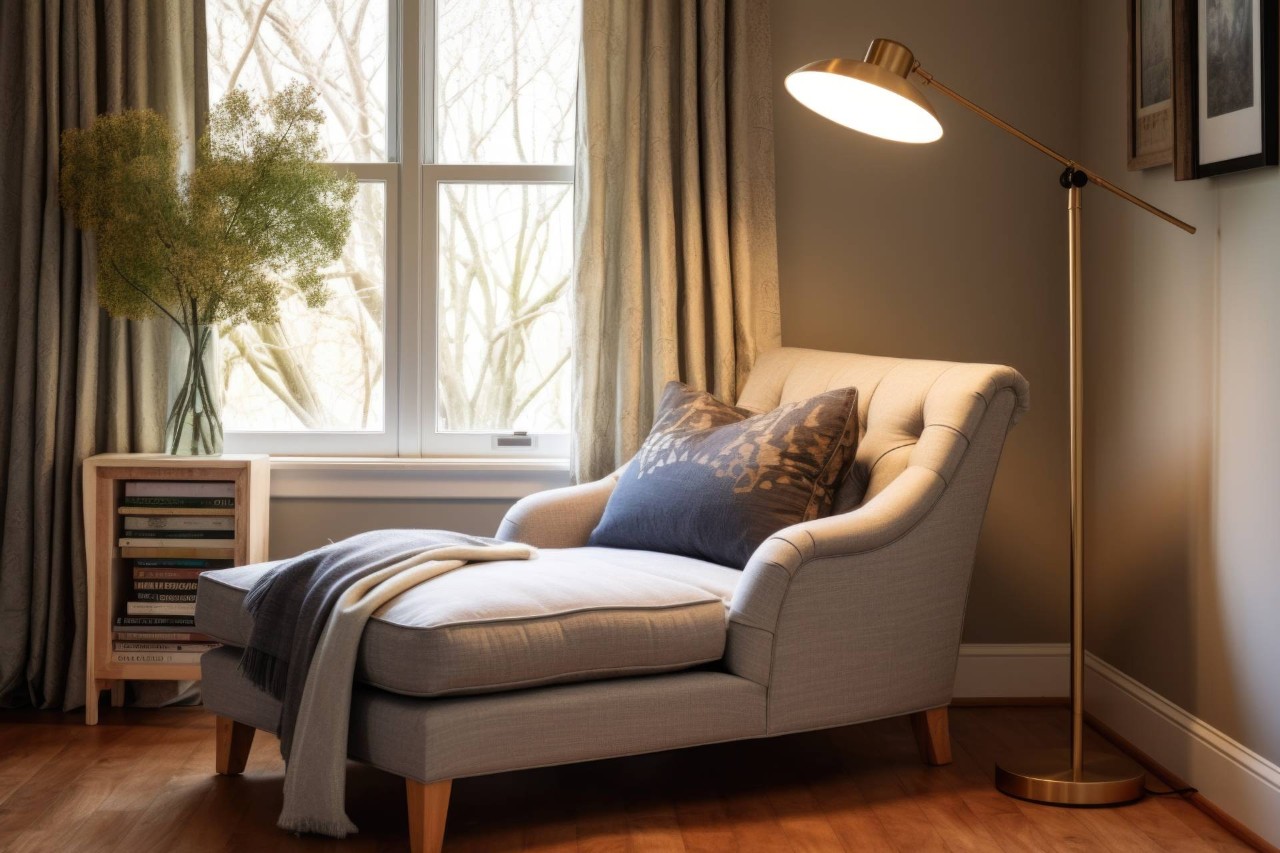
<point x="875" y="96"/>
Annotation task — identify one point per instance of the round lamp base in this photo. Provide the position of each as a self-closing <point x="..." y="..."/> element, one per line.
<point x="1044" y="776"/>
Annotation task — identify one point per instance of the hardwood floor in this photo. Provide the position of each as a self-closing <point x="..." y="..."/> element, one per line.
<point x="144" y="781"/>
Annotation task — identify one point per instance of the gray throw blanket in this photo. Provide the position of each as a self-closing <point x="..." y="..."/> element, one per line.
<point x="308" y="616"/>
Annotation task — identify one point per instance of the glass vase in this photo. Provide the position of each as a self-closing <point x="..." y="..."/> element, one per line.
<point x="194" y="425"/>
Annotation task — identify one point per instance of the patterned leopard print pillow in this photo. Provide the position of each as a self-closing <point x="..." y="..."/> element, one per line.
<point x="713" y="481"/>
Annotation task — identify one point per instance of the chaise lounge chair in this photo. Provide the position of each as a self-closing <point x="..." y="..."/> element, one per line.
<point x="590" y="653"/>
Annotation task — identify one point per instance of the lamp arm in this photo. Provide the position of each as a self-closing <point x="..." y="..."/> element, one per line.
<point x="930" y="81"/>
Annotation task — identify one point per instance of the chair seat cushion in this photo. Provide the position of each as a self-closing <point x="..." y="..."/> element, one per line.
<point x="573" y="614"/>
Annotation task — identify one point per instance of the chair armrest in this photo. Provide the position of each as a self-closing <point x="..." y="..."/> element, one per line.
<point x="558" y="518"/>
<point x="885" y="519"/>
<point x="858" y="616"/>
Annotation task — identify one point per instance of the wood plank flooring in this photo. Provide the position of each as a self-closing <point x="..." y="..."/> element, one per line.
<point x="143" y="781"/>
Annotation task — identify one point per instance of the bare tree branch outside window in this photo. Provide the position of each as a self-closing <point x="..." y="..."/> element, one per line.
<point x="504" y="86"/>
<point x="506" y="251"/>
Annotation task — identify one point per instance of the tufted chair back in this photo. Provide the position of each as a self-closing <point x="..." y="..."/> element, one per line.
<point x="910" y="412"/>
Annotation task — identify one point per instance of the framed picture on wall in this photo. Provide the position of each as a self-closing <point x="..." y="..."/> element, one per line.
<point x="1151" y="84"/>
<point x="1235" y="85"/>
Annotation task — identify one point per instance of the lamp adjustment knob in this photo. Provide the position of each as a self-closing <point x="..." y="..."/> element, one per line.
<point x="1073" y="177"/>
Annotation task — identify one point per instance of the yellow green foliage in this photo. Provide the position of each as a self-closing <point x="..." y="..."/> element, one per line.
<point x="260" y="208"/>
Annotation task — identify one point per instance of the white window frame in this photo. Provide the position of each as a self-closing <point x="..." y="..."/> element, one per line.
<point x="412" y="179"/>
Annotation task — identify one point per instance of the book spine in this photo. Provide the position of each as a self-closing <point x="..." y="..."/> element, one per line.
<point x="179" y="621"/>
<point x="179" y="503"/>
<point x="172" y="542"/>
<point x="175" y="597"/>
<point x="179" y="522"/>
<point x="179" y="489"/>
<point x="127" y="646"/>
<point x="176" y="563"/>
<point x="181" y="534"/>
<point x="170" y="550"/>
<point x="160" y="608"/>
<point x="156" y="657"/>
<point x="188" y="587"/>
<point x="181" y="575"/>
<point x="159" y="636"/>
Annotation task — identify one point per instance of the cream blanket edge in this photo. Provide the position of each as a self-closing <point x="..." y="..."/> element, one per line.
<point x="315" y="782"/>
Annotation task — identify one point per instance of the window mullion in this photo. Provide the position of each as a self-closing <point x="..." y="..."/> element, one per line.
<point x="410" y="355"/>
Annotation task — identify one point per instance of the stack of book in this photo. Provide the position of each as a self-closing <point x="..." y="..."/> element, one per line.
<point x="165" y="553"/>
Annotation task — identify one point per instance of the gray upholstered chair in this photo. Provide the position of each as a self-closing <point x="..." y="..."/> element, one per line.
<point x="589" y="653"/>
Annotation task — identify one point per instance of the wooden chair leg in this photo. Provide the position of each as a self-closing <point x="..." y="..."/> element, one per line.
<point x="428" y="808"/>
<point x="233" y="743"/>
<point x="933" y="735"/>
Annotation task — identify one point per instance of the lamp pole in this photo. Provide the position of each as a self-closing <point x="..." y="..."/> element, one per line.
<point x="841" y="90"/>
<point x="1050" y="776"/>
<point x="1074" y="182"/>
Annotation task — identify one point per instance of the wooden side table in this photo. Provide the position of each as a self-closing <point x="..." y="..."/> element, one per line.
<point x="110" y="574"/>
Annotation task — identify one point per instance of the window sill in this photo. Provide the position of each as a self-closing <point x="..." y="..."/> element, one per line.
<point x="364" y="477"/>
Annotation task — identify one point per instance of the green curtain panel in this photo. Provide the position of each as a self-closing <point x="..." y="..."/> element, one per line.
<point x="72" y="381"/>
<point x="677" y="271"/>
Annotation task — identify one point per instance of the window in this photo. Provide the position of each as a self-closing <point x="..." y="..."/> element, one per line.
<point x="448" y="320"/>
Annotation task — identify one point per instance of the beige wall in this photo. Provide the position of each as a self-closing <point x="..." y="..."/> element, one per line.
<point x="1183" y="349"/>
<point x="955" y="250"/>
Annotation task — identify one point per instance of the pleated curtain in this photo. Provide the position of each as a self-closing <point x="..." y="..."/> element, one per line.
<point x="73" y="382"/>
<point x="676" y="273"/>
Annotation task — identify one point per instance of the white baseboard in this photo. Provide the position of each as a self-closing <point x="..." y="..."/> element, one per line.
<point x="1233" y="777"/>
<point x="1009" y="671"/>
<point x="1228" y="774"/>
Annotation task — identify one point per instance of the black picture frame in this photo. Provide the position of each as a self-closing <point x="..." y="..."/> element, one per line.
<point x="1214" y="130"/>
<point x="1185" y="119"/>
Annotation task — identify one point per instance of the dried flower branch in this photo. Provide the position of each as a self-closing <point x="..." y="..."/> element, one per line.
<point x="259" y="215"/>
<point x="260" y="208"/>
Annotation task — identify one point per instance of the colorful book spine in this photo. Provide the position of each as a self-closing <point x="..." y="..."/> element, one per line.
<point x="180" y="575"/>
<point x="171" y="597"/>
<point x="172" y="542"/>
<point x="128" y="646"/>
<point x="178" y="563"/>
<point x="170" y="550"/>
<point x="164" y="502"/>
<point x="179" y="489"/>
<point x="156" y="657"/>
<point x="188" y="587"/>
<point x="160" y="608"/>
<point x="179" y="522"/>
<point x="181" y="622"/>
<point x="180" y="534"/>
<point x="158" y="636"/>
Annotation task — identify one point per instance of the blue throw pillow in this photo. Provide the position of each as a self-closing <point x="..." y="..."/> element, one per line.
<point x="713" y="481"/>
